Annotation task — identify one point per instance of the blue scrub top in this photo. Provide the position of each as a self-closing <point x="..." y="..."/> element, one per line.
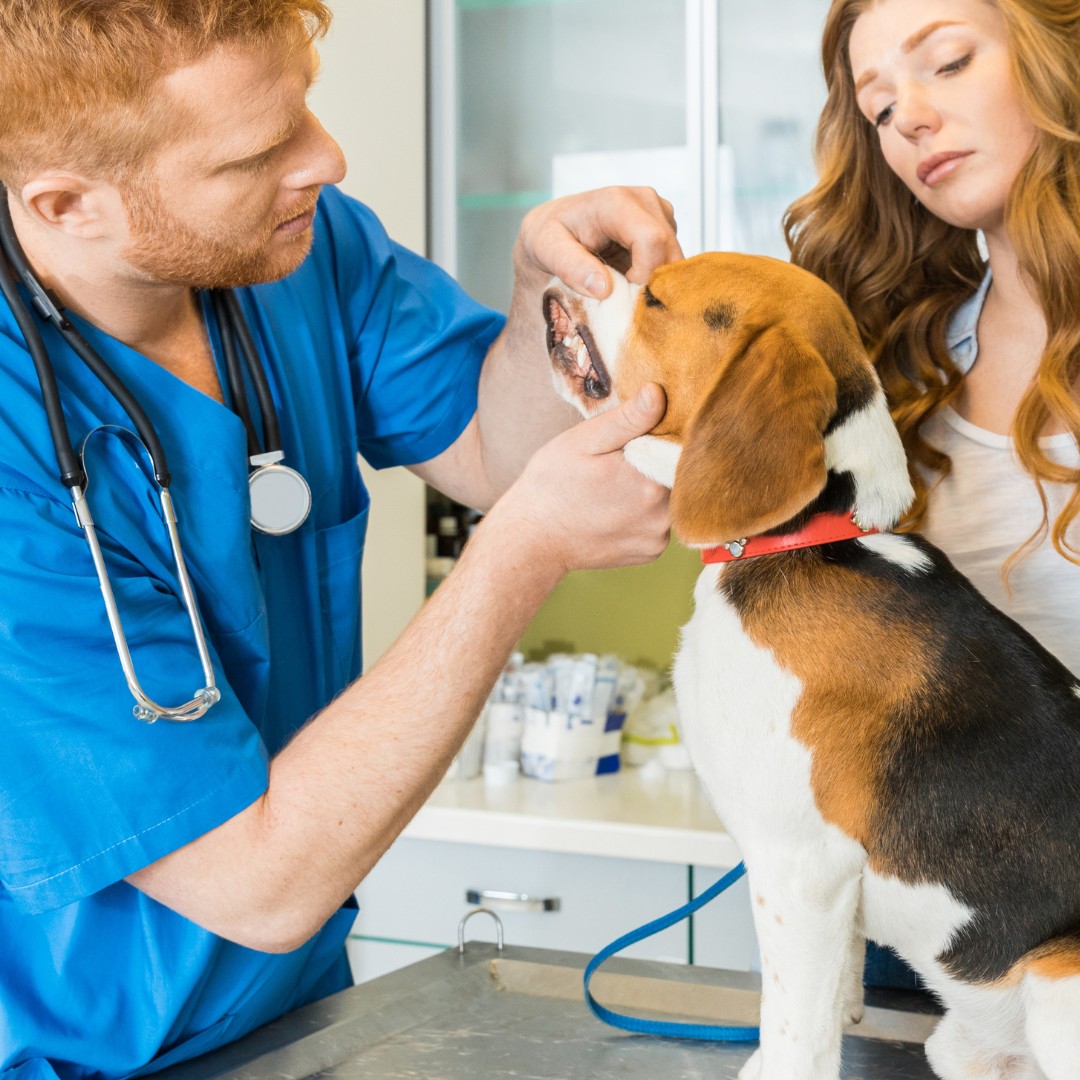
<point x="368" y="348"/>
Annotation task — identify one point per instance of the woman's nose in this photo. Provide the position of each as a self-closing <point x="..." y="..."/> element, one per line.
<point x="914" y="115"/>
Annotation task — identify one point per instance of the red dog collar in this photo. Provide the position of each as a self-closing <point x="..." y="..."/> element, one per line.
<point x="821" y="529"/>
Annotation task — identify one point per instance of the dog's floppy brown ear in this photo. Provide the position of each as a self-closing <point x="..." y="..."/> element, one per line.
<point x="753" y="454"/>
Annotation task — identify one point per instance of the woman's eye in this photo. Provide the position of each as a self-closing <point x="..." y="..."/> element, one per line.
<point x="956" y="65"/>
<point x="883" y="116"/>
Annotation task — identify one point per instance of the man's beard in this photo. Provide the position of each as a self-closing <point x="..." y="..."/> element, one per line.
<point x="170" y="251"/>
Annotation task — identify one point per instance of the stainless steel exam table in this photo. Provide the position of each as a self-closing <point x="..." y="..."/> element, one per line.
<point x="520" y="1013"/>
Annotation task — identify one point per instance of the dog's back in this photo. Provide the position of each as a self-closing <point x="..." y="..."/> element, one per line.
<point x="955" y="736"/>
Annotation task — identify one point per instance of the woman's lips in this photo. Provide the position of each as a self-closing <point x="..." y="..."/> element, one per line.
<point x="938" y="166"/>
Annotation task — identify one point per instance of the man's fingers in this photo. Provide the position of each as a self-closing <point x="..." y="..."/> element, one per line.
<point x="635" y="227"/>
<point x="612" y="430"/>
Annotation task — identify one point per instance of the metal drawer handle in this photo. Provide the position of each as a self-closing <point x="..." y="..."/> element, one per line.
<point x="508" y="901"/>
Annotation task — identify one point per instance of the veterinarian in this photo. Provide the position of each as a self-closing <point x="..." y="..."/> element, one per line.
<point x="948" y="121"/>
<point x="167" y="887"/>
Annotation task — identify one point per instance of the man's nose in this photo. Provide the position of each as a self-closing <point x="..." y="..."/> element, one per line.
<point x="914" y="115"/>
<point x="320" y="160"/>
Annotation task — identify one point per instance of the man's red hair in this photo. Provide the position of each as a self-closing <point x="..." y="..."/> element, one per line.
<point x="78" y="78"/>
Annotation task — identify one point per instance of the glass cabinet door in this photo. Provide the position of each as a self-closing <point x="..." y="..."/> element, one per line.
<point x="769" y="93"/>
<point x="538" y="98"/>
<point x="532" y="99"/>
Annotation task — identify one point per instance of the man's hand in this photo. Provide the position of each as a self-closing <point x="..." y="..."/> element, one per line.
<point x="577" y="237"/>
<point x="582" y="503"/>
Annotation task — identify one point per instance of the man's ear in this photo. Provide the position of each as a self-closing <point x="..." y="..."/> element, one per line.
<point x="72" y="204"/>
<point x="754" y="452"/>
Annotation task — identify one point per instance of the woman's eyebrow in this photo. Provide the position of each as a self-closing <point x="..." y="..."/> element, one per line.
<point x="909" y="45"/>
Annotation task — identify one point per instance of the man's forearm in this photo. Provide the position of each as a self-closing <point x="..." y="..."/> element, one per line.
<point x="343" y="789"/>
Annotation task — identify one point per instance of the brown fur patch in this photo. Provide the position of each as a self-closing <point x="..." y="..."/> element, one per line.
<point x="787" y="346"/>
<point x="825" y="624"/>
<point x="1058" y="959"/>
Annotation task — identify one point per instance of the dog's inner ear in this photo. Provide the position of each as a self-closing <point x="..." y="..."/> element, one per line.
<point x="754" y="454"/>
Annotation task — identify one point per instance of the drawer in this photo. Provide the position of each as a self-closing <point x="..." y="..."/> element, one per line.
<point x="418" y="893"/>
<point x="724" y="934"/>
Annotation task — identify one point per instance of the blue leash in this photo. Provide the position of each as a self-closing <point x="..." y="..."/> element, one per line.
<point x="710" y="1032"/>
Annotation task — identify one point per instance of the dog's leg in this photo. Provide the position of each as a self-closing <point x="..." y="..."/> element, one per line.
<point x="805" y="910"/>
<point x="982" y="1036"/>
<point x="1052" y="1009"/>
<point x="954" y="1053"/>
<point x="854" y="1007"/>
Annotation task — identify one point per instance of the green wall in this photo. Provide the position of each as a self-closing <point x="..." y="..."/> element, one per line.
<point x="636" y="612"/>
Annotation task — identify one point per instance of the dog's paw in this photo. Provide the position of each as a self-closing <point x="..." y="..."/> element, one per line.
<point x="854" y="1011"/>
<point x="752" y="1069"/>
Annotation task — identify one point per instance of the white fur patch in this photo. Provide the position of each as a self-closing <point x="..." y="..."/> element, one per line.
<point x="868" y="446"/>
<point x="654" y="458"/>
<point x="609" y="320"/>
<point x="918" y="921"/>
<point x="897" y="549"/>
<point x="1052" y="1006"/>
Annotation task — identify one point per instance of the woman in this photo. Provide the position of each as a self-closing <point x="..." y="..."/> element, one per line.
<point x="947" y="119"/>
<point x="950" y="131"/>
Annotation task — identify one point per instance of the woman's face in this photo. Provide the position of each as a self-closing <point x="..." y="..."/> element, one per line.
<point x="934" y="78"/>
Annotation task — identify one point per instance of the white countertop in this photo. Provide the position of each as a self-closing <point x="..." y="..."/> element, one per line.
<point x="630" y="814"/>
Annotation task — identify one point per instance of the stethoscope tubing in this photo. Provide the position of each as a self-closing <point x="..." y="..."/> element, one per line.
<point x="70" y="465"/>
<point x="269" y="476"/>
<point x="235" y="325"/>
<point x="72" y="473"/>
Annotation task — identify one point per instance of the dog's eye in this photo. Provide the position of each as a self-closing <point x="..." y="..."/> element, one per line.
<point x="720" y="317"/>
<point x="651" y="300"/>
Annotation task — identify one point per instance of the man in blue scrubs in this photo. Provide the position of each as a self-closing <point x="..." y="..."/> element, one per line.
<point x="166" y="888"/>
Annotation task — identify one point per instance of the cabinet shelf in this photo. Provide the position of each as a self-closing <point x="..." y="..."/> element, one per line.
<point x="526" y="200"/>
<point x="503" y="200"/>
<point x="483" y="5"/>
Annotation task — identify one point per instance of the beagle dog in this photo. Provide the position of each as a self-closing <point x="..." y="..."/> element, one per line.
<point x="895" y="757"/>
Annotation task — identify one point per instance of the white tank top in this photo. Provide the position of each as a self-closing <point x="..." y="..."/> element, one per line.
<point x="985" y="509"/>
<point x="988" y="506"/>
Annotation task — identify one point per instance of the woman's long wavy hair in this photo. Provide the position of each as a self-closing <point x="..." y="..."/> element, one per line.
<point x="903" y="272"/>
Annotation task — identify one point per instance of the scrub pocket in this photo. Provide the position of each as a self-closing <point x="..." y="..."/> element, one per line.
<point x="340" y="549"/>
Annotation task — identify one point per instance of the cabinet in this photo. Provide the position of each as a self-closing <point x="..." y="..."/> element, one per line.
<point x="712" y="102"/>
<point x="411" y="903"/>
<point x="612" y="853"/>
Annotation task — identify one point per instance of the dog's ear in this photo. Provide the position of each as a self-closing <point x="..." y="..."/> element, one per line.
<point x="753" y="455"/>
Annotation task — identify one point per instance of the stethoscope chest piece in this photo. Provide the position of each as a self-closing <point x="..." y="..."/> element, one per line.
<point x="280" y="499"/>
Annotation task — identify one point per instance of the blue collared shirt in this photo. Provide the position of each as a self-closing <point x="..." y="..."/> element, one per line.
<point x="960" y="336"/>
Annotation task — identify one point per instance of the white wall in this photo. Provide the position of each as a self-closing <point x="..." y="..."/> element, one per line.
<point x="371" y="96"/>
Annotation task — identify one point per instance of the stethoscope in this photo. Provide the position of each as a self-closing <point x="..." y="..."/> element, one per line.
<point x="280" y="496"/>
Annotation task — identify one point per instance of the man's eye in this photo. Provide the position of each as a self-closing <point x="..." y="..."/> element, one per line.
<point x="883" y="116"/>
<point x="256" y="164"/>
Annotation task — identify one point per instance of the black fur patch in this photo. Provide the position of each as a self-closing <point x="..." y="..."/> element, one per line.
<point x="651" y="300"/>
<point x="838" y="497"/>
<point x="854" y="393"/>
<point x="981" y="787"/>
<point x="720" y="317"/>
